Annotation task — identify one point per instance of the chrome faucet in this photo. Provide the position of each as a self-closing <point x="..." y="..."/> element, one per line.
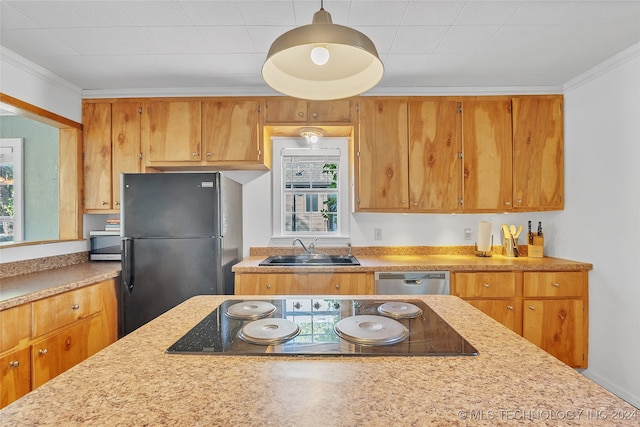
<point x="312" y="246"/>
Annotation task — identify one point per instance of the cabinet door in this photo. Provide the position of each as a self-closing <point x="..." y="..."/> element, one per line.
<point x="339" y="284"/>
<point x="173" y="131"/>
<point x="487" y="155"/>
<point x="538" y="153"/>
<point x="269" y="284"/>
<point x="286" y="110"/>
<point x="382" y="155"/>
<point x="125" y="144"/>
<point x="15" y="376"/>
<point x="231" y="130"/>
<point x="338" y="111"/>
<point x="557" y="326"/>
<point x="96" y="123"/>
<point x="505" y="311"/>
<point x="56" y="354"/>
<point x="435" y="169"/>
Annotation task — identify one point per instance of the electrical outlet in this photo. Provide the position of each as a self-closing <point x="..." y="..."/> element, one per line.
<point x="377" y="234"/>
<point x="467" y="234"/>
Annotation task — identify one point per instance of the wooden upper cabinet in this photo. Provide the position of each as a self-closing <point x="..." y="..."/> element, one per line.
<point x="538" y="152"/>
<point x="231" y="130"/>
<point x="96" y="123"/>
<point x="299" y="111"/>
<point x="382" y="155"/>
<point x="172" y="129"/>
<point x="111" y="146"/>
<point x="435" y="143"/>
<point x="125" y="144"/>
<point x="487" y="154"/>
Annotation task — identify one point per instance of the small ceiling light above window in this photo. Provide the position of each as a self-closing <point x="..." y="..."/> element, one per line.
<point x="322" y="61"/>
<point x="312" y="135"/>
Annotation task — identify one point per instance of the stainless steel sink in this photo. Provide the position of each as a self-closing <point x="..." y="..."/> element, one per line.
<point x="309" y="260"/>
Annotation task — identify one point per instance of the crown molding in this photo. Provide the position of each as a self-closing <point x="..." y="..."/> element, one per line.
<point x="39" y="72"/>
<point x="604" y="67"/>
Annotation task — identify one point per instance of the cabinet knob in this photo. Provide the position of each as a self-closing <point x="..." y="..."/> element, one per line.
<point x="486" y="285"/>
<point x="337" y="285"/>
<point x="508" y="202"/>
<point x="194" y="154"/>
<point x="104" y="203"/>
<point x="116" y="203"/>
<point x="315" y="115"/>
<point x="415" y="203"/>
<point x="403" y="201"/>
<point x="209" y="154"/>
<point x="519" y="201"/>
<point x="510" y="307"/>
<point x="43" y="351"/>
<point x="531" y="308"/>
<point x="14" y="364"/>
<point x="300" y="114"/>
<point x="75" y="306"/>
<point x="268" y="285"/>
<point x="555" y="285"/>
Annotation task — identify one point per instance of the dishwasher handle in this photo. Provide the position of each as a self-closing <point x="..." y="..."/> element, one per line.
<point x="413" y="281"/>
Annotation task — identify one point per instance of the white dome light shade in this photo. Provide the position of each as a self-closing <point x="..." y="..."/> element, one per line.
<point x="352" y="66"/>
<point x="319" y="55"/>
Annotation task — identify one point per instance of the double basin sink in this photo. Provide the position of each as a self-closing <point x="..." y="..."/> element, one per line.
<point x="310" y="260"/>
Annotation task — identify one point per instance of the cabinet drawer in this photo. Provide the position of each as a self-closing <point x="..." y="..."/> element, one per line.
<point x="15" y="325"/>
<point x="555" y="284"/>
<point x="484" y="285"/>
<point x="55" y="312"/>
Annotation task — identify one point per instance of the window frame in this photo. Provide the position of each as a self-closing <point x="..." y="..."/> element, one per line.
<point x="342" y="235"/>
<point x="16" y="145"/>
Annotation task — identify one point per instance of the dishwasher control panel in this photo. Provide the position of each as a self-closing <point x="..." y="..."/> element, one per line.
<point x="412" y="283"/>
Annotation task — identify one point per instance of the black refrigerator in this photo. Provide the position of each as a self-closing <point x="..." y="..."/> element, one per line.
<point x="181" y="234"/>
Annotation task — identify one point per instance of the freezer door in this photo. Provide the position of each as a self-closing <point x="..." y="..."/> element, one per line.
<point x="159" y="274"/>
<point x="171" y="205"/>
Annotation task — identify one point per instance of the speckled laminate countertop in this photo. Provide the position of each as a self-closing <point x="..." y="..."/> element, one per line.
<point x="25" y="288"/>
<point x="412" y="262"/>
<point x="134" y="382"/>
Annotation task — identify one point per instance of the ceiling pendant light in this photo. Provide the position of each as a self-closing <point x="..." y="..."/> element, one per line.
<point x="322" y="61"/>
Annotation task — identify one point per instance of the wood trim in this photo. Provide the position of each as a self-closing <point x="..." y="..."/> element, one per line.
<point x="36" y="113"/>
<point x="70" y="184"/>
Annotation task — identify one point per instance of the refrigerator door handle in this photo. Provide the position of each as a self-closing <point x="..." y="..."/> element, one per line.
<point x="127" y="271"/>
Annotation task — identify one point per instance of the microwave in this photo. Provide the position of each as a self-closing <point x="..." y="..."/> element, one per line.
<point x="105" y="246"/>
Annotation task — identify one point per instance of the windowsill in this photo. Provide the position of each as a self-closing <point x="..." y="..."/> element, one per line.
<point x="322" y="240"/>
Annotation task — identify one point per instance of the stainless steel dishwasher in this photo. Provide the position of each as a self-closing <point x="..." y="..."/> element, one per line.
<point x="412" y="283"/>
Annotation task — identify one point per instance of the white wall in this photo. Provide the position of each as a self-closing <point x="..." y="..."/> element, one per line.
<point x="601" y="221"/>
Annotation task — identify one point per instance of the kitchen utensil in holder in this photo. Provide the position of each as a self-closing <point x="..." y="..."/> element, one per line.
<point x="509" y="245"/>
<point x="488" y="252"/>
<point x="535" y="248"/>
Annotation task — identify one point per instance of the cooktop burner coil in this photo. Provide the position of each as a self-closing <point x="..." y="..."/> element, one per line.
<point x="250" y="310"/>
<point x="399" y="310"/>
<point x="371" y="330"/>
<point x="269" y="331"/>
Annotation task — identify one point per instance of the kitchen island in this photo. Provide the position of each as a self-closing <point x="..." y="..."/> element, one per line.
<point x="134" y="382"/>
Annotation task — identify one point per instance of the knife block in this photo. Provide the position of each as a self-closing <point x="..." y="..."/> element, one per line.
<point x="536" y="250"/>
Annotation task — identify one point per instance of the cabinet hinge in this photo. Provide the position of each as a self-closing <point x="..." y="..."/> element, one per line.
<point x="259" y="108"/>
<point x="357" y="107"/>
<point x="459" y="154"/>
<point x="140" y="110"/>
<point x="259" y="153"/>
<point x="460" y="202"/>
<point x="459" y="108"/>
<point x="140" y="155"/>
<point x="357" y="154"/>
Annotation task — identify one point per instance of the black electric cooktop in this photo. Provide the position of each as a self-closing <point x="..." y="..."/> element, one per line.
<point x="323" y="326"/>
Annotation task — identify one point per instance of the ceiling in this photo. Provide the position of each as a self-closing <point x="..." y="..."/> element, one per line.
<point x="209" y="46"/>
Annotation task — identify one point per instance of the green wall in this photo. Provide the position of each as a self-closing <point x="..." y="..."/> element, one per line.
<point x="40" y="151"/>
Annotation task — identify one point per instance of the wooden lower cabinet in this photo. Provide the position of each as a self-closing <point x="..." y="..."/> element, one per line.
<point x="549" y="308"/>
<point x="61" y="331"/>
<point x="15" y="376"/>
<point x="557" y="326"/>
<point x="304" y="284"/>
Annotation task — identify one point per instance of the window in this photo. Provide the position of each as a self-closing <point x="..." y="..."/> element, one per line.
<point x="310" y="188"/>
<point x="11" y="209"/>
